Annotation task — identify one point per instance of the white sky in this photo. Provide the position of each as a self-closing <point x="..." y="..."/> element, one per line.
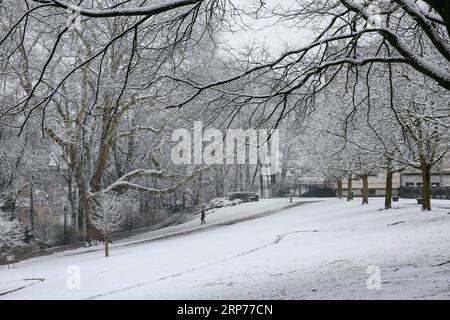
<point x="274" y="35"/>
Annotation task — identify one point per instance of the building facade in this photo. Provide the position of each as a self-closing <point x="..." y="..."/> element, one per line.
<point x="409" y="180"/>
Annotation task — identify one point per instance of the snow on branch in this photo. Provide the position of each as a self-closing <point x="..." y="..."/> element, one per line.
<point x="137" y="129"/>
<point x="301" y="81"/>
<point x="108" y="216"/>
<point x="126" y="183"/>
<point x="136" y="11"/>
<point x="441" y="44"/>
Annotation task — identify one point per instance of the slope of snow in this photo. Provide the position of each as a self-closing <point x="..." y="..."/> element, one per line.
<point x="214" y="218"/>
<point x="221" y="216"/>
<point x="317" y="250"/>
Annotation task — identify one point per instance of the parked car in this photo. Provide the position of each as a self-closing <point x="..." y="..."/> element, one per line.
<point x="244" y="196"/>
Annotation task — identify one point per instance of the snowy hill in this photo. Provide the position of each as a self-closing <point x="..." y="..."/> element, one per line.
<point x="259" y="251"/>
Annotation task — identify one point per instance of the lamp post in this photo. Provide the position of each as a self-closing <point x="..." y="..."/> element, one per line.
<point x="32" y="203"/>
<point x="65" y="225"/>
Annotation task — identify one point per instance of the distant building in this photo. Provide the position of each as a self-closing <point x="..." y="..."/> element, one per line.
<point x="408" y="179"/>
<point x="405" y="184"/>
<point x="413" y="178"/>
<point x="377" y="185"/>
<point x="294" y="183"/>
<point x="49" y="198"/>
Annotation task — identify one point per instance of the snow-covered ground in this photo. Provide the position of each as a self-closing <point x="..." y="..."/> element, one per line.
<point x="316" y="250"/>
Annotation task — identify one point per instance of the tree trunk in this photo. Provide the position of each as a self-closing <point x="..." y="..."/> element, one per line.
<point x="241" y="177"/>
<point x="82" y="195"/>
<point x="118" y="165"/>
<point x="71" y="197"/>
<point x="254" y="175"/>
<point x="365" y="190"/>
<point x="261" y="181"/>
<point x="388" y="194"/>
<point x="82" y="208"/>
<point x="80" y="217"/>
<point x="95" y="182"/>
<point x="426" y="187"/>
<point x="339" y="183"/>
<point x="273" y="185"/>
<point x="91" y="232"/>
<point x="198" y="191"/>
<point x="236" y="178"/>
<point x="349" y="188"/>
<point x="247" y="177"/>
<point x="106" y="246"/>
<point x="219" y="185"/>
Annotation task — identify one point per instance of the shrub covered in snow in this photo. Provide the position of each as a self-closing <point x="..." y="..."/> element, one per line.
<point x="236" y="202"/>
<point x="218" y="203"/>
<point x="11" y="234"/>
<point x="222" y="202"/>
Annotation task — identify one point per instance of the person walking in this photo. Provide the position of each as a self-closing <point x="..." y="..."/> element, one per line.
<point x="202" y="217"/>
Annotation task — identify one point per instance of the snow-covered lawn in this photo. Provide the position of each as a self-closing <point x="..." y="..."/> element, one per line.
<point x="316" y="250"/>
<point x="218" y="217"/>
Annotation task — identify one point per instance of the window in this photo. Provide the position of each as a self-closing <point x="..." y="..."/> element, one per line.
<point x="409" y="184"/>
<point x="435" y="184"/>
<point x="419" y="184"/>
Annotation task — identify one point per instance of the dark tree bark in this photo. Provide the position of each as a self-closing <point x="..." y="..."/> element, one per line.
<point x="349" y="188"/>
<point x="426" y="186"/>
<point x="80" y="213"/>
<point x="340" y="193"/>
<point x="117" y="162"/>
<point x="71" y="194"/>
<point x="365" y="190"/>
<point x="443" y="8"/>
<point x="388" y="194"/>
<point x="269" y="187"/>
<point x="106" y="246"/>
<point x="82" y="197"/>
<point x="241" y="177"/>
<point x="273" y="185"/>
<point x="254" y="175"/>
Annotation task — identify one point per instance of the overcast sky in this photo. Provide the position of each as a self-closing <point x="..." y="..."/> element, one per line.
<point x="274" y="35"/>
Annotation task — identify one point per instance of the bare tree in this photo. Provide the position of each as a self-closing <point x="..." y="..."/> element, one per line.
<point x="350" y="35"/>
<point x="108" y="217"/>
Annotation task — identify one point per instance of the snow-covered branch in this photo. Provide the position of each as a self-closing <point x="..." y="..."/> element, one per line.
<point x="134" y="11"/>
<point x="126" y="183"/>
